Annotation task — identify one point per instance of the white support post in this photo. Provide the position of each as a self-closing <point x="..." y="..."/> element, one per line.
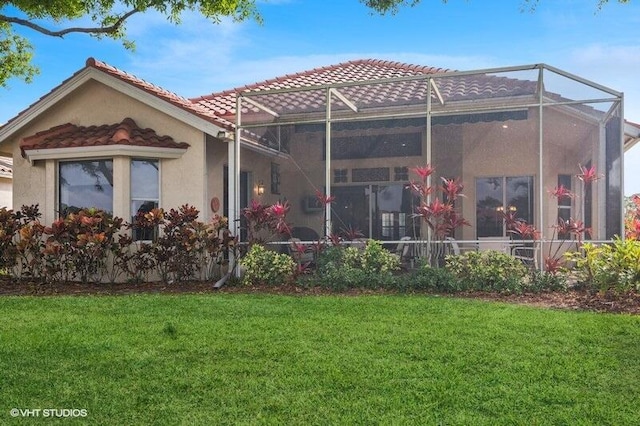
<point x="234" y="184"/>
<point x="327" y="164"/>
<point x="541" y="210"/>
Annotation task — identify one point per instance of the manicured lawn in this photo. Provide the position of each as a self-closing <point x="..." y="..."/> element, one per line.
<point x="264" y="359"/>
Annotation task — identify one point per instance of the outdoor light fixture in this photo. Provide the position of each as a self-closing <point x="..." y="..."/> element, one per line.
<point x="260" y="188"/>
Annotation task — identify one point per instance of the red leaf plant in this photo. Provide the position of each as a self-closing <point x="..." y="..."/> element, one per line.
<point x="588" y="174"/>
<point x="441" y="216"/>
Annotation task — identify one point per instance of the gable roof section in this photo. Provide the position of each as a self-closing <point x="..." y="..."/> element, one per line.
<point x="154" y="96"/>
<point x="159" y="92"/>
<point x="54" y="141"/>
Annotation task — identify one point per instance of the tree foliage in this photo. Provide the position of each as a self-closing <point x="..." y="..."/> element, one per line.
<point x="107" y="18"/>
<point x="393" y="6"/>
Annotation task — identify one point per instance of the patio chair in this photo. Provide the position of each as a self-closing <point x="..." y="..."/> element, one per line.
<point x="502" y="244"/>
<point x="527" y="255"/>
<point x="404" y="251"/>
<point x="455" y="248"/>
<point x="301" y="257"/>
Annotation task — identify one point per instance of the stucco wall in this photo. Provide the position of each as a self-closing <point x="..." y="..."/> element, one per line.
<point x="183" y="179"/>
<point x="6" y="190"/>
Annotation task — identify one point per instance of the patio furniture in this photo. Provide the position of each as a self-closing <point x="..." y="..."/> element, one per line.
<point x="527" y="254"/>
<point x="302" y="254"/>
<point x="502" y="244"/>
<point x="405" y="252"/>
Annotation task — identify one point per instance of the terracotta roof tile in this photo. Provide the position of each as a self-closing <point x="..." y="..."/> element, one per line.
<point x="164" y="94"/>
<point x="125" y="133"/>
<point x="408" y="92"/>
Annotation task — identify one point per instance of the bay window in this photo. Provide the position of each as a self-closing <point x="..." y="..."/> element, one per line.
<point x="85" y="184"/>
<point x="145" y="192"/>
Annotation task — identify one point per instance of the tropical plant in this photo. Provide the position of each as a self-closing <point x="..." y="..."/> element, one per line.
<point x="264" y="266"/>
<point x="441" y="216"/>
<point x="341" y="268"/>
<point x="606" y="267"/>
<point x="488" y="270"/>
<point x="632" y="218"/>
<point x="428" y="278"/>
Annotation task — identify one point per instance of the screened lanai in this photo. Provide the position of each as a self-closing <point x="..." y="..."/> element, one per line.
<point x="510" y="136"/>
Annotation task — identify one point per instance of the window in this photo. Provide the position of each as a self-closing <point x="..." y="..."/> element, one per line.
<point x="340" y="175"/>
<point x="564" y="204"/>
<point x="401" y="173"/>
<point x="145" y="193"/>
<point x="495" y="195"/>
<point x="85" y="184"/>
<point x="275" y="178"/>
<point x="375" y="146"/>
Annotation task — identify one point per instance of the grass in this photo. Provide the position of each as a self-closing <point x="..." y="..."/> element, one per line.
<point x="264" y="359"/>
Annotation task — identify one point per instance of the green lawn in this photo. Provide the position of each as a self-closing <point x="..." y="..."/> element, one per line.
<point x="264" y="359"/>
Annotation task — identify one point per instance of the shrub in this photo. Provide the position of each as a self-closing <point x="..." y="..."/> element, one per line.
<point x="428" y="278"/>
<point x="88" y="246"/>
<point x="264" y="266"/>
<point x="545" y="281"/>
<point x="341" y="268"/>
<point x="614" y="266"/>
<point x="488" y="270"/>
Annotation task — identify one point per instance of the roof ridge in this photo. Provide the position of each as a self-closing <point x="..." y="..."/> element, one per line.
<point x="103" y="66"/>
<point x="158" y="91"/>
<point x="378" y="62"/>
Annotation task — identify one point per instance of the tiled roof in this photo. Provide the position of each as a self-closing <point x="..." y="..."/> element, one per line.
<point x="125" y="133"/>
<point x="161" y="93"/>
<point x="407" y="92"/>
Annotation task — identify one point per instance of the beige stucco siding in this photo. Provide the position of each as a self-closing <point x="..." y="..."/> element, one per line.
<point x="183" y="179"/>
<point x="6" y="190"/>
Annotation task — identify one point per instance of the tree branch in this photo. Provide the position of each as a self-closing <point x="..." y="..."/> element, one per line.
<point x="61" y="33"/>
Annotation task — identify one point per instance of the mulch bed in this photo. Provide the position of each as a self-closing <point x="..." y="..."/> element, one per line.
<point x="577" y="300"/>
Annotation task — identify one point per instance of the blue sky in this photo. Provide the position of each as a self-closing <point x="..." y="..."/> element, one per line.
<point x="198" y="57"/>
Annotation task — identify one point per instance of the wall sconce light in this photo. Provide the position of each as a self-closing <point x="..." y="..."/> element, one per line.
<point x="260" y="188"/>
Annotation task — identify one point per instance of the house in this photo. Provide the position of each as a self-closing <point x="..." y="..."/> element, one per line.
<point x="108" y="139"/>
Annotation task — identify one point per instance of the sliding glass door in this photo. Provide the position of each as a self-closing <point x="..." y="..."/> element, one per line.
<point x="382" y="212"/>
<point x="496" y="196"/>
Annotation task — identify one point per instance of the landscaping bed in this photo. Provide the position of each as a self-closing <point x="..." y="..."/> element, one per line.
<point x="569" y="300"/>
